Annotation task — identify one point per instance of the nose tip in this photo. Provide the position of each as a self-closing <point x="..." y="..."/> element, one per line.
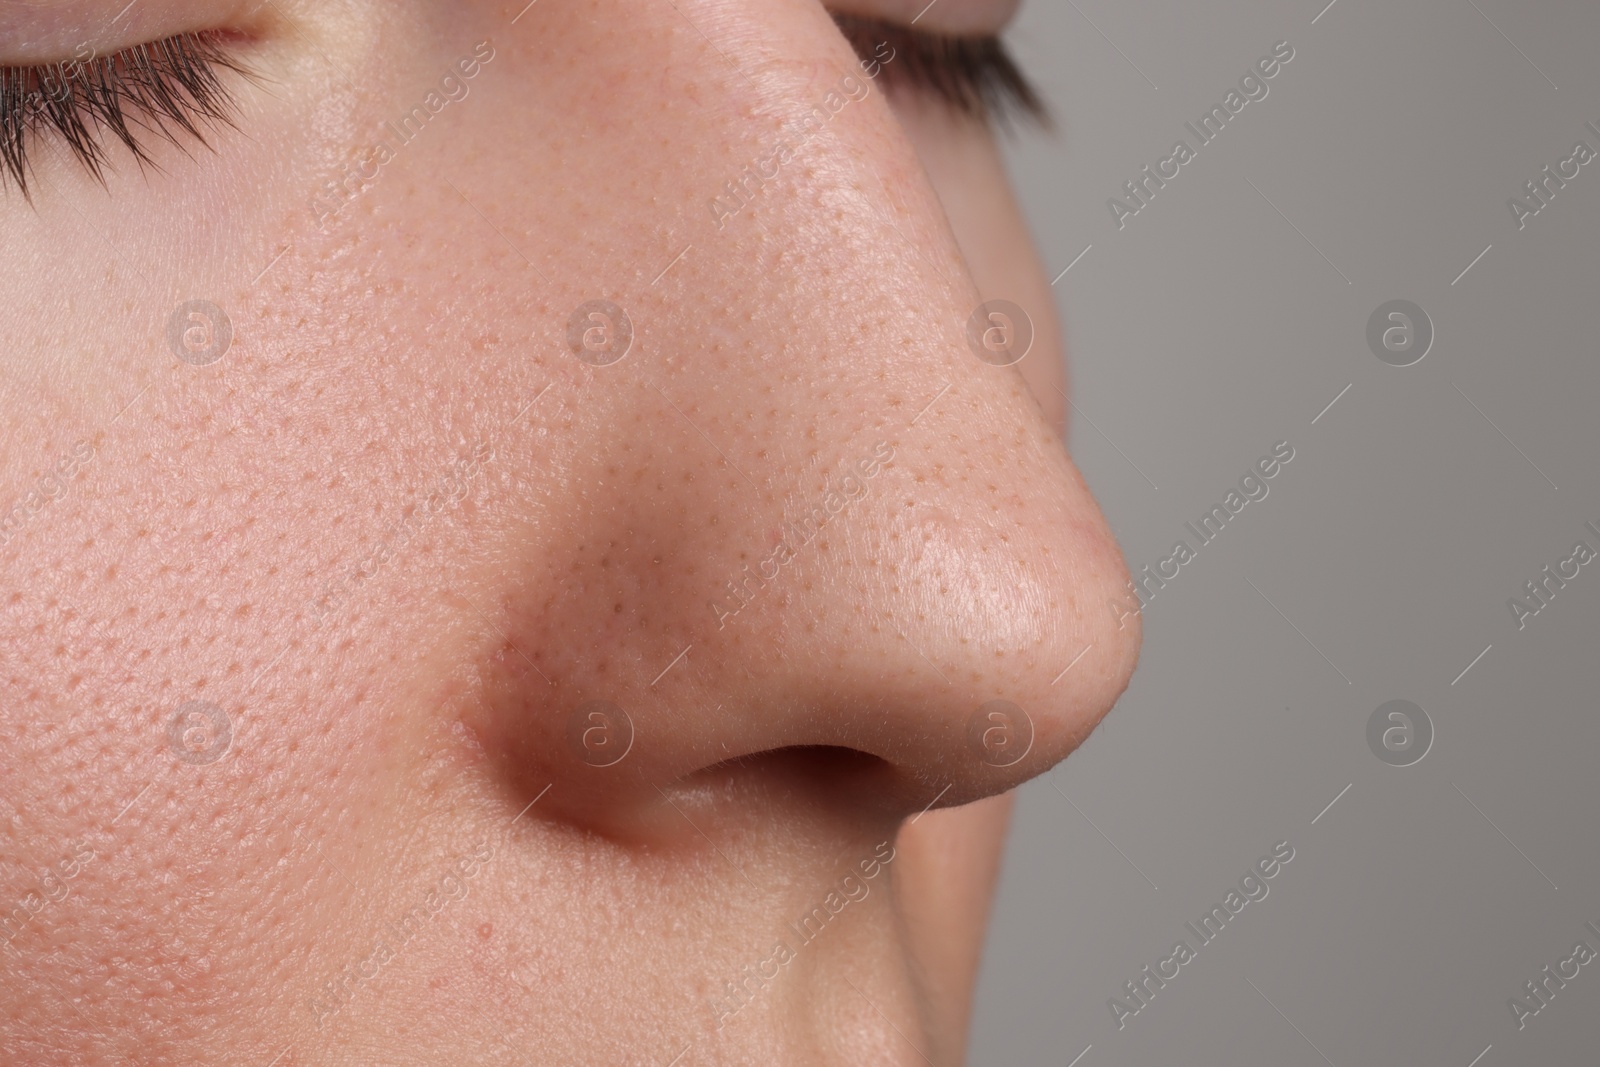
<point x="938" y="617"/>
<point x="972" y="640"/>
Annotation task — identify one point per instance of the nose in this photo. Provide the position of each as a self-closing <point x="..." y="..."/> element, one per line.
<point x="812" y="543"/>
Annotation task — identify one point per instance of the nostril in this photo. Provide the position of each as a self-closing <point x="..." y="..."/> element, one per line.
<point x="827" y="778"/>
<point x="816" y="761"/>
<point x="826" y="789"/>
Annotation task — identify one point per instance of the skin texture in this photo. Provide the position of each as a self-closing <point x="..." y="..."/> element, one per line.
<point x="952" y="856"/>
<point x="399" y="536"/>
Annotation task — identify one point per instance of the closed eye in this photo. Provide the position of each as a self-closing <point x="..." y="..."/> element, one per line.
<point x="975" y="75"/>
<point x="170" y="89"/>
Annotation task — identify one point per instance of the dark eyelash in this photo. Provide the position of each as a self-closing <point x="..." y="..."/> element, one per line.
<point x="160" y="89"/>
<point x="975" y="75"/>
<point x="175" y="84"/>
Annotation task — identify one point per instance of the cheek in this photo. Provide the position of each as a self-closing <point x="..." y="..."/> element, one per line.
<point x="451" y="644"/>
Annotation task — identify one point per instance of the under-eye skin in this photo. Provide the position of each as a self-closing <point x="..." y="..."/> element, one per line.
<point x="171" y="89"/>
<point x="974" y="75"/>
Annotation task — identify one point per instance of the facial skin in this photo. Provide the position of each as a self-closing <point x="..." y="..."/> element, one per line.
<point x="400" y="535"/>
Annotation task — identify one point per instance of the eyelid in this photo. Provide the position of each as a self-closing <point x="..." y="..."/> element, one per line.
<point x="58" y="31"/>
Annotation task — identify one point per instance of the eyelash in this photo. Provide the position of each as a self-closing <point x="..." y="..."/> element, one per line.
<point x="175" y="84"/>
<point x="974" y="75"/>
<point x="163" y="88"/>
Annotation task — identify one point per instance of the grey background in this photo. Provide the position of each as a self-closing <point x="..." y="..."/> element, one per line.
<point x="1199" y="335"/>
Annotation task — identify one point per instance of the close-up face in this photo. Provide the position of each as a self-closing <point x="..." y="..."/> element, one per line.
<point x="525" y="535"/>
